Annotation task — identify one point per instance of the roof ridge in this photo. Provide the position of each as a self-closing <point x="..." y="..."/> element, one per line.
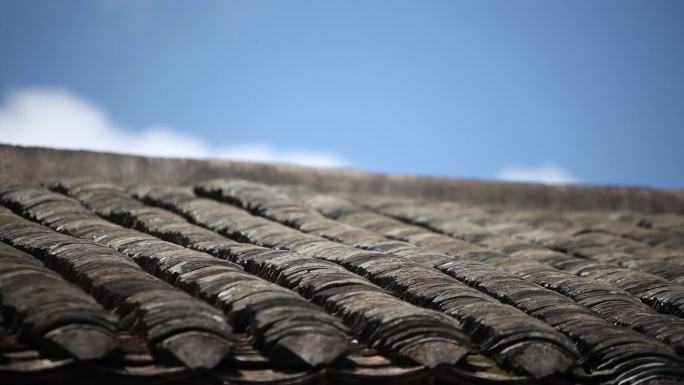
<point x="29" y="164"/>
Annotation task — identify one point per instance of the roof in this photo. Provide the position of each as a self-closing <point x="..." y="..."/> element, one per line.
<point x="121" y="269"/>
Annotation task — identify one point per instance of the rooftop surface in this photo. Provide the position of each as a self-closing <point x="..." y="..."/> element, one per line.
<point x="123" y="269"/>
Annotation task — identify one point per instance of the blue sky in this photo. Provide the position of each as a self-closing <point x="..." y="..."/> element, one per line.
<point x="584" y="91"/>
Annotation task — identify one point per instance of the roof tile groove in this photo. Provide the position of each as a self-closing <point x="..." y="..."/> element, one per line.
<point x="501" y="330"/>
<point x="217" y="281"/>
<point x="498" y="283"/>
<point x="662" y="295"/>
<point x="617" y="234"/>
<point x="612" y="303"/>
<point x="300" y="324"/>
<point x="375" y="317"/>
<point x="149" y="307"/>
<point x="487" y="332"/>
<point x="43" y="308"/>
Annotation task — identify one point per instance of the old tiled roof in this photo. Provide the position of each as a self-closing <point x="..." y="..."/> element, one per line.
<point x="120" y="269"/>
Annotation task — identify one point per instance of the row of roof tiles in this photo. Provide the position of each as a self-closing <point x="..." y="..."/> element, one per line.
<point x="243" y="275"/>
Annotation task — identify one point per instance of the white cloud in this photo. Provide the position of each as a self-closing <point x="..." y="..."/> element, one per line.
<point x="549" y="173"/>
<point x="52" y="117"/>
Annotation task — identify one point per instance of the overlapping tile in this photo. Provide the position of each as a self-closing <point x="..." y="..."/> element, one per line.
<point x="503" y="331"/>
<point x="492" y="280"/>
<point x="612" y="303"/>
<point x="110" y="202"/>
<point x="266" y="310"/>
<point x="663" y="295"/>
<point x="45" y="310"/>
<point x="172" y="322"/>
<point x="376" y="317"/>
